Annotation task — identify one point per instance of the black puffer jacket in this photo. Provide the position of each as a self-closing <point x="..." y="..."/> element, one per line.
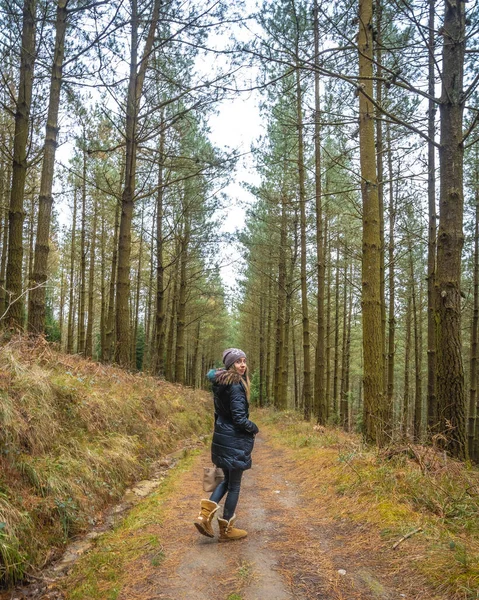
<point x="233" y="438"/>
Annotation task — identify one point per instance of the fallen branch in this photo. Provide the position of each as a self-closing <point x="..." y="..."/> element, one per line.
<point x="405" y="537"/>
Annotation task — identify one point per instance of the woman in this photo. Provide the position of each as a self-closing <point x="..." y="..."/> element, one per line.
<point x="233" y="441"/>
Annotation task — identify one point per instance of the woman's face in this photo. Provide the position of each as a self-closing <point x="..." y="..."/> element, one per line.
<point x="240" y="365"/>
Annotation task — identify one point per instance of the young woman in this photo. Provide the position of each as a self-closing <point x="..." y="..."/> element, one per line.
<point x="233" y="441"/>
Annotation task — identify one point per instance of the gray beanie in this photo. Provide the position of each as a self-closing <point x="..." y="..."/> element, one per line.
<point x="231" y="355"/>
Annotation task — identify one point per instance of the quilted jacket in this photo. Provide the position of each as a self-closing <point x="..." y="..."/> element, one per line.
<point x="233" y="437"/>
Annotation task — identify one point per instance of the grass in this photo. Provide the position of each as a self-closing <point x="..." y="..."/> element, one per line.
<point x="102" y="573"/>
<point x="397" y="492"/>
<point x="73" y="435"/>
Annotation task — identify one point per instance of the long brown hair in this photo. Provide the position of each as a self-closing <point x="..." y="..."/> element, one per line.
<point x="245" y="381"/>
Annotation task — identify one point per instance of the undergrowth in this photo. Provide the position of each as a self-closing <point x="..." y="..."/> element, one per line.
<point x="407" y="489"/>
<point x="73" y="435"/>
<point x="116" y="550"/>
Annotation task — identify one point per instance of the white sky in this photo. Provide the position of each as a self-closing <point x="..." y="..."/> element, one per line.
<point x="237" y="125"/>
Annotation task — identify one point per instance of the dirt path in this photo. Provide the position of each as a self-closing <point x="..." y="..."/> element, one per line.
<point x="294" y="550"/>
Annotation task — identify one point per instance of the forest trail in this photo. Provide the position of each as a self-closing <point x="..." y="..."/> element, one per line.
<point x="295" y="548"/>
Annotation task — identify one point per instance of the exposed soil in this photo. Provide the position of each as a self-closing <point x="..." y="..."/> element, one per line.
<point x="294" y="550"/>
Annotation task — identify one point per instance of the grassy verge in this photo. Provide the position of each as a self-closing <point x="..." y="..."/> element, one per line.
<point x="102" y="573"/>
<point x="409" y="490"/>
<point x="73" y="435"/>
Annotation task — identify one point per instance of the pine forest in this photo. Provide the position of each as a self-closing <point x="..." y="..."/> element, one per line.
<point x="352" y="276"/>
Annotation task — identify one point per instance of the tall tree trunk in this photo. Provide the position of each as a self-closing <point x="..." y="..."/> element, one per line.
<point x="110" y="319"/>
<point x="328" y="319"/>
<point x="268" y="344"/>
<point x="348" y="352"/>
<point x="287" y="326"/>
<point x="61" y="316"/>
<point x="173" y="304"/>
<point x="91" y="284"/>
<point x="407" y="369"/>
<point x="103" y="287"/>
<point x="149" y="322"/>
<point x="285" y="354"/>
<point x="3" y="262"/>
<point x="37" y="301"/>
<point x="295" y="369"/>
<point x="160" y="269"/>
<point x="417" y="407"/>
<point x="71" y="319"/>
<point x="307" y="395"/>
<point x="262" y="334"/>
<point x="376" y="417"/>
<point x="180" y="371"/>
<point x="82" y="298"/>
<point x="279" y="396"/>
<point x="336" y="339"/>
<point x="14" y="317"/>
<point x="196" y="352"/>
<point x="4" y="183"/>
<point x="473" y="417"/>
<point x="432" y="412"/>
<point x="31" y="236"/>
<point x="135" y="90"/>
<point x="137" y="295"/>
<point x="343" y="406"/>
<point x="391" y="283"/>
<point x="450" y="371"/>
<point x="380" y="175"/>
<point x="321" y="408"/>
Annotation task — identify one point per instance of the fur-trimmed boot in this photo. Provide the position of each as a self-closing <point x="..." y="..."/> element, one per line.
<point x="203" y="521"/>
<point x="228" y="532"/>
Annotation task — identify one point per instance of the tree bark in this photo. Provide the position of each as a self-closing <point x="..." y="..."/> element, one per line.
<point x="450" y="371"/>
<point x="170" y="345"/>
<point x="391" y="283"/>
<point x="279" y="396"/>
<point x="137" y="295"/>
<point x="135" y="90"/>
<point x="321" y="408"/>
<point x="3" y="262"/>
<point x="307" y="396"/>
<point x="196" y="352"/>
<point x="474" y="327"/>
<point x="91" y="284"/>
<point x="336" y="340"/>
<point x="417" y="407"/>
<point x="180" y="371"/>
<point x="37" y="299"/>
<point x="82" y="298"/>
<point x="14" y="317"/>
<point x="380" y="175"/>
<point x="110" y="319"/>
<point x="160" y="269"/>
<point x="71" y="319"/>
<point x="407" y="368"/>
<point x="268" y="344"/>
<point x="327" y="252"/>
<point x="376" y="417"/>
<point x="432" y="413"/>
<point x="103" y="287"/>
<point x="343" y="406"/>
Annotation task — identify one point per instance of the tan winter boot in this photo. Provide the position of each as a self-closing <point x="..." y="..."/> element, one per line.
<point x="228" y="532"/>
<point x="203" y="521"/>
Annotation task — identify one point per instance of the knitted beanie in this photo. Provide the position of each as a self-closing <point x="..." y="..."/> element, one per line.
<point x="231" y="355"/>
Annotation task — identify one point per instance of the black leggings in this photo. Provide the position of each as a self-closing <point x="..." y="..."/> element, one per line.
<point x="232" y="485"/>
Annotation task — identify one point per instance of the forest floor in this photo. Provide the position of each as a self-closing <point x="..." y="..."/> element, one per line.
<point x="297" y="546"/>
